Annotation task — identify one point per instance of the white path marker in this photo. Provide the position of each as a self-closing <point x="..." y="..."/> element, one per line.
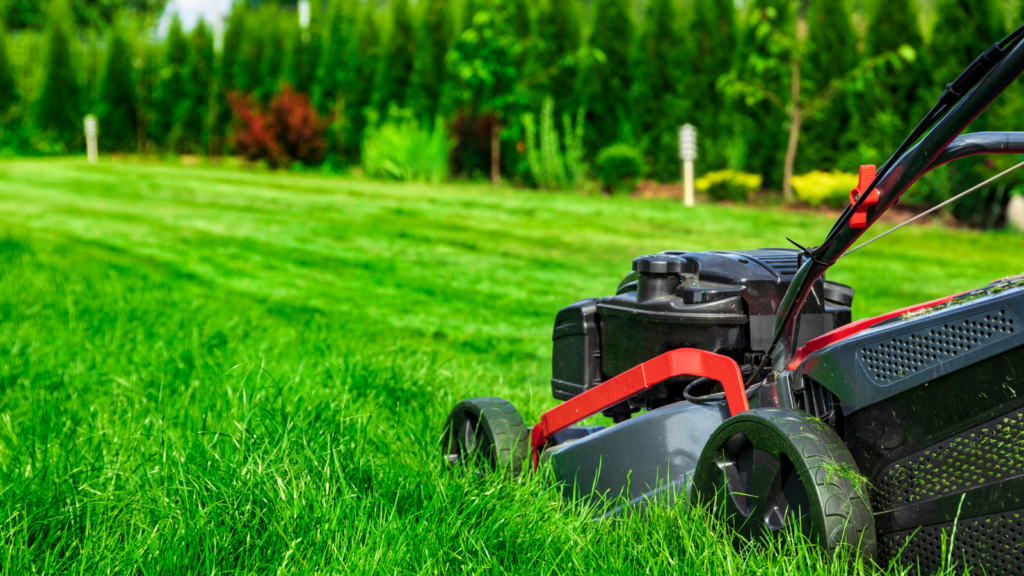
<point x="688" y="153"/>
<point x="92" y="149"/>
<point x="304" y="16"/>
<point x="1015" y="212"/>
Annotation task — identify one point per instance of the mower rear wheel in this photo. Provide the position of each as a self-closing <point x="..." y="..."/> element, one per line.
<point x="487" y="431"/>
<point x="775" y="470"/>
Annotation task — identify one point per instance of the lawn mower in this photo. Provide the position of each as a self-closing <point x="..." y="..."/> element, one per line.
<point x="761" y="398"/>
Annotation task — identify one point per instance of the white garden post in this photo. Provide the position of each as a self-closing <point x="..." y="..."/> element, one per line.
<point x="218" y="33"/>
<point x="1015" y="212"/>
<point x="92" y="149"/>
<point x="688" y="153"/>
<point x="304" y="15"/>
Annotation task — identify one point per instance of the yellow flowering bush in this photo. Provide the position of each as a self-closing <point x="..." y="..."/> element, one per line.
<point x="728" y="185"/>
<point x="818" y="188"/>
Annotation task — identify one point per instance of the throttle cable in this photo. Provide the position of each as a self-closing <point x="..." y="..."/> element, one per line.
<point x="932" y="209"/>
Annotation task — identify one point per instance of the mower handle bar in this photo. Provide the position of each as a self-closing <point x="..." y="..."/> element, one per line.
<point x="942" y="144"/>
<point x="978" y="143"/>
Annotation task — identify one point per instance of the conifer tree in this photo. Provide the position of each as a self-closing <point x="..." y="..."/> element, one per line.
<point x="190" y="132"/>
<point x="305" y="51"/>
<point x="8" y="89"/>
<point x="520" y="18"/>
<point x="395" y="67"/>
<point x="560" y="36"/>
<point x="334" y="79"/>
<point x="658" y="103"/>
<point x="248" y="67"/>
<point x="963" y="30"/>
<point x="831" y="52"/>
<point x="608" y="83"/>
<point x="889" y="108"/>
<point x="334" y="68"/>
<point x="172" y="88"/>
<point x="227" y="72"/>
<point x="58" y="106"/>
<point x="433" y="38"/>
<point x="275" y="34"/>
<point x="117" y="107"/>
<point x="365" y="62"/>
<point x="713" y="33"/>
<point x="234" y="38"/>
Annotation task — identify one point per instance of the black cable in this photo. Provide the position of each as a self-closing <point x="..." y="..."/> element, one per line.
<point x="711" y="398"/>
<point x="806" y="252"/>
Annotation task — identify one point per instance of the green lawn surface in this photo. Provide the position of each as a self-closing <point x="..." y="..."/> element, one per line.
<point x="217" y="371"/>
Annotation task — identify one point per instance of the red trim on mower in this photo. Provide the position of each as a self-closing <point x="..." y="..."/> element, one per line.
<point x="684" y="361"/>
<point x="852" y="328"/>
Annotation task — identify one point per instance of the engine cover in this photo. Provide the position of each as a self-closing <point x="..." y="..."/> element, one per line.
<point x="722" y="302"/>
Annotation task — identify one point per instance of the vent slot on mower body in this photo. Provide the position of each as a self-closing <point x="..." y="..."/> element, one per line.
<point x="982" y="456"/>
<point x="894" y="359"/>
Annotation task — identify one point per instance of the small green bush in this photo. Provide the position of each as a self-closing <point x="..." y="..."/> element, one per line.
<point x="405" y="149"/>
<point x="619" y="166"/>
<point x="730" y="185"/>
<point x="820" y="188"/>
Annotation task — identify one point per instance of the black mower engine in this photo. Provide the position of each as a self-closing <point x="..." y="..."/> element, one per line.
<point x="721" y="302"/>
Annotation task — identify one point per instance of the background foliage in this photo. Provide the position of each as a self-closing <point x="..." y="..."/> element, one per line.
<point x="637" y="69"/>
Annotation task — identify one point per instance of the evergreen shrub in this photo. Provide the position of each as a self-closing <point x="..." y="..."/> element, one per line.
<point x="399" y="54"/>
<point x="607" y="84"/>
<point x="58" y="105"/>
<point x="172" y="88"/>
<point x="619" y="166"/>
<point x="118" y="116"/>
<point x="820" y="188"/>
<point x="730" y="185"/>
<point x="8" y="89"/>
<point x="190" y="132"/>
<point x="434" y="36"/>
<point x="404" y="148"/>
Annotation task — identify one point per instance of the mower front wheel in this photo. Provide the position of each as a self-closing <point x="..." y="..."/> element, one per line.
<point x="488" y="432"/>
<point x="769" y="471"/>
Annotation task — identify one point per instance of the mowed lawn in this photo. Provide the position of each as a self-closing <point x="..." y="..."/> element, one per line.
<point x="214" y="371"/>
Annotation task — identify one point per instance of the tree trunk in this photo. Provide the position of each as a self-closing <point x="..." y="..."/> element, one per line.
<point x="496" y="153"/>
<point x="340" y="122"/>
<point x="794" y="139"/>
<point x="795" y="112"/>
<point x="212" y="112"/>
<point x="140" y="116"/>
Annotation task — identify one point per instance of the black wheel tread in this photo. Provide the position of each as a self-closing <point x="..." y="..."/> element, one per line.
<point x="848" y="520"/>
<point x="506" y="427"/>
<point x="848" y="517"/>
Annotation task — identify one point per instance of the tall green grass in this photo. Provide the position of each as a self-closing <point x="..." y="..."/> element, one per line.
<point x="211" y="371"/>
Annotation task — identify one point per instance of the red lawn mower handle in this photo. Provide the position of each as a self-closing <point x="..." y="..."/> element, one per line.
<point x="681" y="362"/>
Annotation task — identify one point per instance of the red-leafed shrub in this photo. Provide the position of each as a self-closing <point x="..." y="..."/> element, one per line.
<point x="289" y="131"/>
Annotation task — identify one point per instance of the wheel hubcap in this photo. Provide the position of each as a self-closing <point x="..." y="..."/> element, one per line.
<point x="764" y="491"/>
